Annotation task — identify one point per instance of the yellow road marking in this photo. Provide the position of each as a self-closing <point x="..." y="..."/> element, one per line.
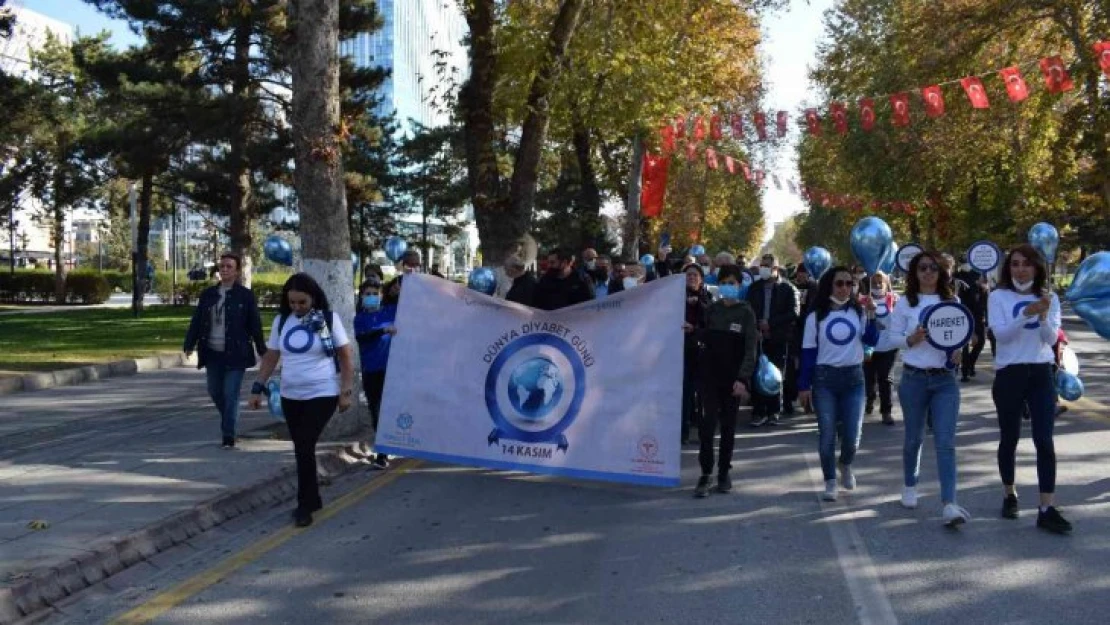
<point x="163" y="602"/>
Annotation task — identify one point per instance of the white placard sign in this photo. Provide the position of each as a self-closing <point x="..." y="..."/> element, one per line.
<point x="984" y="256"/>
<point x="906" y="254"/>
<point x="949" y="326"/>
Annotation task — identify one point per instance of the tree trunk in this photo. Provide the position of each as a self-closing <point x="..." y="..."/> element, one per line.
<point x="59" y="243"/>
<point x="631" y="243"/>
<point x="239" y="217"/>
<point x="589" y="194"/>
<point x="318" y="174"/>
<point x="142" y="244"/>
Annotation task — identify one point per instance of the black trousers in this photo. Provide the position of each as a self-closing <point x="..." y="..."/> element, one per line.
<point x="373" y="383"/>
<point x="767" y="405"/>
<point x="1018" y="388"/>
<point x="306" y="419"/>
<point x="971" y="352"/>
<point x="691" y="395"/>
<point x="720" y="408"/>
<point x="876" y="374"/>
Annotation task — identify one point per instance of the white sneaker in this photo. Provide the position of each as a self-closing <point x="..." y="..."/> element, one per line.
<point x="830" y="490"/>
<point x="909" y="497"/>
<point x="955" y="516"/>
<point x="847" y="477"/>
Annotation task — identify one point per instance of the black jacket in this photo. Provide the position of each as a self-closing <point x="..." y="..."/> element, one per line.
<point x="242" y="327"/>
<point x="807" y="300"/>
<point x="523" y="290"/>
<point x="784" y="308"/>
<point x="729" y="341"/>
<point x="554" y="293"/>
<point x="971" y="294"/>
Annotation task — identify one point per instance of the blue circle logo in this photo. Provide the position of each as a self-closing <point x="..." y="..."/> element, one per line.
<point x="1019" y="308"/>
<point x="534" y="389"/>
<point x="844" y="339"/>
<point x="404" y="421"/>
<point x="308" y="342"/>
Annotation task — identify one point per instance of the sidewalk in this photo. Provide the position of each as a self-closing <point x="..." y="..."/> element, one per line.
<point x="117" y="300"/>
<point x="101" y="461"/>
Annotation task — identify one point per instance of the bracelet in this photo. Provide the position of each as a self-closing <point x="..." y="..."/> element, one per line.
<point x="259" y="389"/>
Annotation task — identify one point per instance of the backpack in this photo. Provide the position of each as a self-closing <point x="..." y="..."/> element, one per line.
<point x="328" y="321"/>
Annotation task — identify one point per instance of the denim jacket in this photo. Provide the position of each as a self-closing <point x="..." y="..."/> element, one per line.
<point x="242" y="327"/>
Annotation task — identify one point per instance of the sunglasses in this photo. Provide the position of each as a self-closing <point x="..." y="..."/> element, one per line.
<point x="927" y="268"/>
<point x="844" y="283"/>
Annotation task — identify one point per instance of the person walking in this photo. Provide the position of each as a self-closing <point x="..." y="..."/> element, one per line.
<point x="727" y="364"/>
<point x="971" y="289"/>
<point x="317" y="376"/>
<point x="375" y="325"/>
<point x="806" y="287"/>
<point x="775" y="303"/>
<point x="831" y="376"/>
<point x="1025" y="317"/>
<point x="877" y="367"/>
<point x="523" y="289"/>
<point x="928" y="389"/>
<point x="697" y="303"/>
<point x="562" y="286"/>
<point x="225" y="332"/>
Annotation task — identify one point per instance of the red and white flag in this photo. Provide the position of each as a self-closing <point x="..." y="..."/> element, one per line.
<point x="654" y="184"/>
<point x="813" y="122"/>
<point x="1015" y="84"/>
<point x="934" y="100"/>
<point x="1056" y="77"/>
<point x="839" y="114"/>
<point x="900" y="107"/>
<point x="699" y="128"/>
<point x="1102" y="52"/>
<point x="737" y="126"/>
<point x="666" y="138"/>
<point x="715" y="128"/>
<point x="711" y="158"/>
<point x="680" y="127"/>
<point x="867" y="114"/>
<point x="747" y="171"/>
<point x="691" y="150"/>
<point x="760" y="121"/>
<point x="973" y="87"/>
<point x="730" y="164"/>
<point x="781" y="120"/>
<point x="759" y="175"/>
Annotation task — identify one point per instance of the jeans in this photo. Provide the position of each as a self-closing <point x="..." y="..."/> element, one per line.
<point x="971" y="353"/>
<point x="223" y="387"/>
<point x="373" y="384"/>
<point x="720" y="407"/>
<point x="306" y="419"/>
<point x="923" y="395"/>
<point x="877" y="373"/>
<point x="838" y="399"/>
<point x="768" y="405"/>
<point x="1015" y="388"/>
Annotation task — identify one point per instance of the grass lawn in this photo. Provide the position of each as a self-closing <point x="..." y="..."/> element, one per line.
<point x="59" y="340"/>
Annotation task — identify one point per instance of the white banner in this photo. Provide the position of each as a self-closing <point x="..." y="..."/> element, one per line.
<point x="593" y="391"/>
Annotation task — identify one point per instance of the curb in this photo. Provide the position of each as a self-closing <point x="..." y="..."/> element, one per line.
<point x="46" y="586"/>
<point x="41" y="380"/>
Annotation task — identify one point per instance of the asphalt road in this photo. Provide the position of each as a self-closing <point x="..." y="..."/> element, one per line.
<point x="428" y="543"/>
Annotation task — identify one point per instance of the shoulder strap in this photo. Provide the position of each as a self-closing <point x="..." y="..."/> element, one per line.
<point x="281" y="326"/>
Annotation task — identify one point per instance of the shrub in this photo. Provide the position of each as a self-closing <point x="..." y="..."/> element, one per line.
<point x="27" y="287"/>
<point x="87" y="288"/>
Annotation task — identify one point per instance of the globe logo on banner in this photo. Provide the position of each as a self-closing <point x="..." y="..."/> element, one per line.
<point x="534" y="390"/>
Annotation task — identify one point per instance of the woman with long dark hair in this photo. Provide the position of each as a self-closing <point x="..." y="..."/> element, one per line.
<point x="831" y="376"/>
<point x="928" y="386"/>
<point x="1025" y="317"/>
<point x="317" y="376"/>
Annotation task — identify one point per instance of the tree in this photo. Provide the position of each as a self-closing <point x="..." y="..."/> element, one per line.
<point x="433" y="182"/>
<point x="783" y="243"/>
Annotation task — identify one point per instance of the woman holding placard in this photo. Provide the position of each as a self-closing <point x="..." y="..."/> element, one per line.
<point x="1025" y="317"/>
<point x="928" y="384"/>
<point x="831" y="376"/>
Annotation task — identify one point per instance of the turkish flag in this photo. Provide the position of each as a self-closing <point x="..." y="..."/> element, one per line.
<point x="839" y="114"/>
<point x="1015" y="84"/>
<point x="666" y="138"/>
<point x="730" y="165"/>
<point x="691" y="150"/>
<point x="1102" y="51"/>
<point x="900" y="105"/>
<point x="973" y="87"/>
<point x="699" y="128"/>
<point x="654" y="184"/>
<point x="737" y="126"/>
<point x="781" y="120"/>
<point x="680" y="127"/>
<point x="934" y="101"/>
<point x="761" y="126"/>
<point x="715" y="128"/>
<point x="711" y="158"/>
<point x="1056" y="77"/>
<point x="775" y="181"/>
<point x="759" y="177"/>
<point x="867" y="114"/>
<point x="813" y="122"/>
<point x="747" y="171"/>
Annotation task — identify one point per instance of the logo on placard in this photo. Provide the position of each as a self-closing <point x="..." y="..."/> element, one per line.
<point x="404" y="421"/>
<point x="648" y="447"/>
<point x="534" y="390"/>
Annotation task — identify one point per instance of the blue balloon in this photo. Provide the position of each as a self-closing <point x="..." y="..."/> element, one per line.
<point x="1068" y="386"/>
<point x="891" y="260"/>
<point x="768" y="378"/>
<point x="746" y="281"/>
<point x="647" y="260"/>
<point x="395" y="248"/>
<point x="278" y="250"/>
<point x="482" y="280"/>
<point x="817" y="261"/>
<point x="1046" y="239"/>
<point x="273" y="398"/>
<point x="1089" y="292"/>
<point x="697" y="250"/>
<point x="871" y="238"/>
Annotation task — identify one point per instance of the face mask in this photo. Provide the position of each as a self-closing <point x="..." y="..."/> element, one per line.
<point x="370" y="302"/>
<point x="838" y="302"/>
<point x="1023" y="286"/>
<point x="764" y="273"/>
<point x="591" y="264"/>
<point x="877" y="293"/>
<point x="729" y="291"/>
<point x="630" y="283"/>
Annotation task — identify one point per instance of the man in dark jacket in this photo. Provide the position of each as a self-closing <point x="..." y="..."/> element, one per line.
<point x="972" y="291"/>
<point x="523" y="290"/>
<point x="807" y="296"/>
<point x="225" y="332"/>
<point x="561" y="286"/>
<point x="775" y="303"/>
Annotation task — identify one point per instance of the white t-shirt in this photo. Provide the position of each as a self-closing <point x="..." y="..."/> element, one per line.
<point x="884" y="317"/>
<point x="840" y="343"/>
<point x="306" y="370"/>
<point x="904" y="322"/>
<point x="1021" y="339"/>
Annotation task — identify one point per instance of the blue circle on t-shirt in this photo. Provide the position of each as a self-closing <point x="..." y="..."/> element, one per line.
<point x="288" y="343"/>
<point x="1019" y="308"/>
<point x="840" y="321"/>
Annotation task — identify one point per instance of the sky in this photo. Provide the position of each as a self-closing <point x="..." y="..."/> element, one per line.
<point x="789" y="47"/>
